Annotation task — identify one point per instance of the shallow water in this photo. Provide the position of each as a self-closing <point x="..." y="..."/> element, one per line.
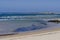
<point x="18" y="26"/>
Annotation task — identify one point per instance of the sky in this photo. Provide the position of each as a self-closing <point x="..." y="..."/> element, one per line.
<point x="29" y="5"/>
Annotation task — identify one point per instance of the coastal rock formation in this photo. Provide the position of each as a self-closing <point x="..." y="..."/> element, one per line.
<point x="56" y="21"/>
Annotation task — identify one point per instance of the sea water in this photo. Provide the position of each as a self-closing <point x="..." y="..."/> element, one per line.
<point x="25" y="22"/>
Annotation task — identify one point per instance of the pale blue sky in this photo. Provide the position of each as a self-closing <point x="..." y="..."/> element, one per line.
<point x="29" y="5"/>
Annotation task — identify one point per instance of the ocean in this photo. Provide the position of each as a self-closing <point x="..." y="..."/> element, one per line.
<point x="26" y="22"/>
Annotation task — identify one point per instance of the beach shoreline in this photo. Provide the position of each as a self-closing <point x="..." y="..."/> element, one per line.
<point x="32" y="33"/>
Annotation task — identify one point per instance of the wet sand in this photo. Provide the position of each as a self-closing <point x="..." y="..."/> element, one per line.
<point x="31" y="33"/>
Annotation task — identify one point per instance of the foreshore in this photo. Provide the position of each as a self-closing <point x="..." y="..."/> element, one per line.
<point x="31" y="33"/>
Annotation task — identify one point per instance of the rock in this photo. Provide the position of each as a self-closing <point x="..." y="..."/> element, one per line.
<point x="56" y="21"/>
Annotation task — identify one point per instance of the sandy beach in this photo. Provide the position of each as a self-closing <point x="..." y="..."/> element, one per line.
<point x="31" y="33"/>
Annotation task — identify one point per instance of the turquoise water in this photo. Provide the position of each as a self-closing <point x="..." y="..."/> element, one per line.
<point x="27" y="16"/>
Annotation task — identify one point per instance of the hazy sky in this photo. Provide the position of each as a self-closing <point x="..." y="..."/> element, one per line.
<point x="29" y="5"/>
